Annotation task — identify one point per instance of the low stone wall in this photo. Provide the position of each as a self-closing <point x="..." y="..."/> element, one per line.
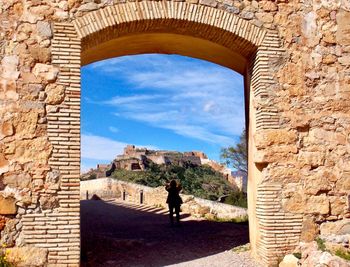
<point x="107" y="188"/>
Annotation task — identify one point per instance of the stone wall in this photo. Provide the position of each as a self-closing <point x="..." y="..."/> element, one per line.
<point x="108" y="188"/>
<point x="295" y="56"/>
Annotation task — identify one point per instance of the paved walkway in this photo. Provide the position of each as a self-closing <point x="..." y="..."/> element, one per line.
<point x="119" y="234"/>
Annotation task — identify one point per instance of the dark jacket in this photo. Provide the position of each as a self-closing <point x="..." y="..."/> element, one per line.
<point x="173" y="195"/>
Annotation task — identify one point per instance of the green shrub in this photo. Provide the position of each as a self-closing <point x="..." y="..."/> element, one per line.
<point x="90" y="176"/>
<point x="3" y="260"/>
<point x="237" y="199"/>
<point x="243" y="219"/>
<point x="241" y="248"/>
<point x="200" y="181"/>
<point x="342" y="253"/>
<point x="297" y="255"/>
<point x="320" y="243"/>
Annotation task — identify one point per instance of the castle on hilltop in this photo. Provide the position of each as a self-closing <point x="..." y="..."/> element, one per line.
<point x="135" y="159"/>
<point x="138" y="159"/>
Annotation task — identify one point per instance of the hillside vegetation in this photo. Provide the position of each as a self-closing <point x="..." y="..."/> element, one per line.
<point x="200" y="181"/>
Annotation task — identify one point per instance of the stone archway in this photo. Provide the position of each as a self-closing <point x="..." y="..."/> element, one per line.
<point x="298" y="125"/>
<point x="186" y="29"/>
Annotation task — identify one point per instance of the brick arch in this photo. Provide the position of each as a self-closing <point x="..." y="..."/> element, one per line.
<point x="174" y="26"/>
<point x="254" y="49"/>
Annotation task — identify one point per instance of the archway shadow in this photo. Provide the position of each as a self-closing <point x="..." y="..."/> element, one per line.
<point x="115" y="235"/>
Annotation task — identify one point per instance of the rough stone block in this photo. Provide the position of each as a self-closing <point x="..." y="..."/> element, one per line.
<point x="38" y="148"/>
<point x="311" y="34"/>
<point x="211" y="3"/>
<point x="338" y="205"/>
<point x="88" y="7"/>
<point x="320" y="136"/>
<point x="25" y="124"/>
<point x="44" y="29"/>
<point x="335" y="228"/>
<point x="3" y="164"/>
<point x="9" y="67"/>
<point x="40" y="54"/>
<point x="316" y="184"/>
<point x="274" y="137"/>
<point x="48" y="202"/>
<point x="264" y="17"/>
<point x="27" y="256"/>
<point x="7" y="205"/>
<point x="309" y="230"/>
<point x="317" y="205"/>
<point x="343" y="32"/>
<point x="343" y="184"/>
<point x="312" y="158"/>
<point x="17" y="180"/>
<point x="55" y="94"/>
<point x="289" y="261"/>
<point x="295" y="203"/>
<point x="268" y="5"/>
<point x="6" y="129"/>
<point x="46" y="72"/>
<point x="2" y="222"/>
<point x="344" y="60"/>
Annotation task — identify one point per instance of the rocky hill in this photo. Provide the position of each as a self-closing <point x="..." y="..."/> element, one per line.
<point x="198" y="175"/>
<point x="139" y="159"/>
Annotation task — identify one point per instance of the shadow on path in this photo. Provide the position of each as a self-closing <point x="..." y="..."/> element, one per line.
<point x="120" y="235"/>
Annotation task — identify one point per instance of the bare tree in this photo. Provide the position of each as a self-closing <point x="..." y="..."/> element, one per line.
<point x="237" y="156"/>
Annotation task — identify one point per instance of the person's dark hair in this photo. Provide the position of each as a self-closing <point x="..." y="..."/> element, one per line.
<point x="173" y="184"/>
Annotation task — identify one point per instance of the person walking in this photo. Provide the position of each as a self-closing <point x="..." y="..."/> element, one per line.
<point x="174" y="201"/>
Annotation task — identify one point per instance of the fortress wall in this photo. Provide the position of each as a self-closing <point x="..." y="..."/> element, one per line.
<point x="108" y="188"/>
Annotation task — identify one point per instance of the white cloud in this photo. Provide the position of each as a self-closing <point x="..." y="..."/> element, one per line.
<point x="117" y="100"/>
<point x="113" y="129"/>
<point x="200" y="133"/>
<point x="101" y="148"/>
<point x="209" y="106"/>
<point x="192" y="98"/>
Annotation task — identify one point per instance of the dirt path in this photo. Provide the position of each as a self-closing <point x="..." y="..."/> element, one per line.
<point x="118" y="234"/>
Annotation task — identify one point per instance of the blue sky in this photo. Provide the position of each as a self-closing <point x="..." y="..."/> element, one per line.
<point x="158" y="101"/>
